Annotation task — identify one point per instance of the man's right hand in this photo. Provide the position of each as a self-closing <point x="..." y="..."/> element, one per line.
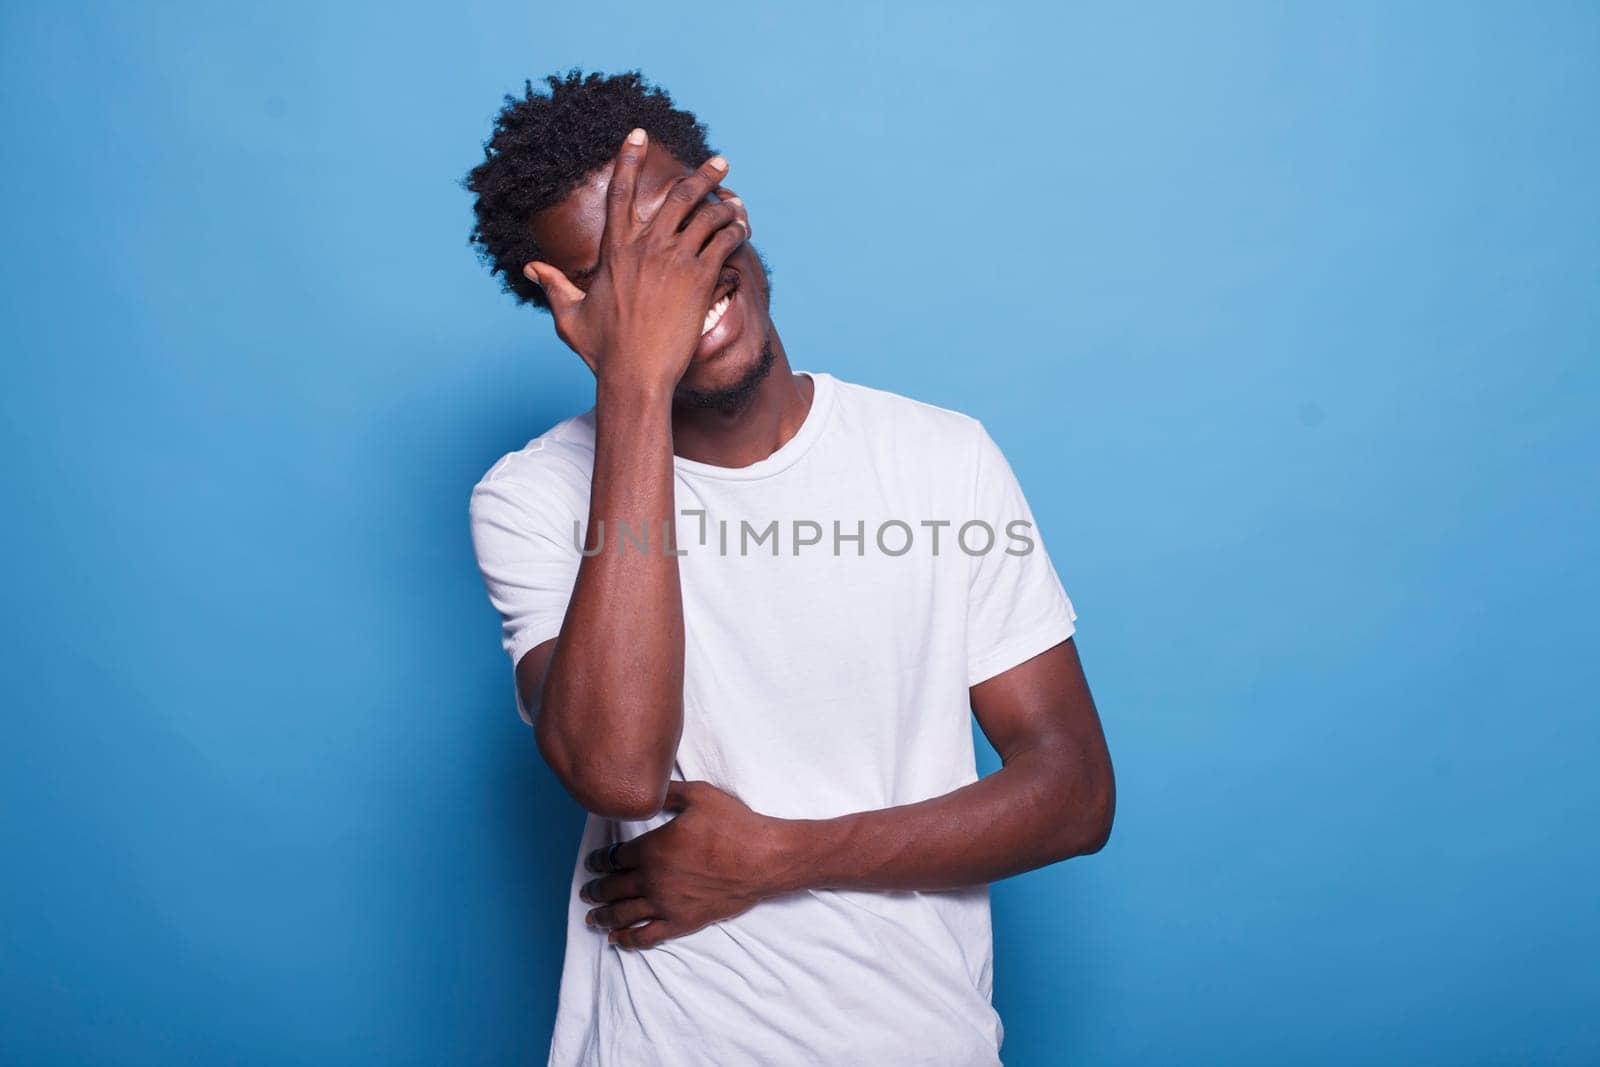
<point x="637" y="324"/>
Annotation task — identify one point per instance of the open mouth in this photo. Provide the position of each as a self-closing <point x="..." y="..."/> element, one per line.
<point x="722" y="300"/>
<point x="723" y="322"/>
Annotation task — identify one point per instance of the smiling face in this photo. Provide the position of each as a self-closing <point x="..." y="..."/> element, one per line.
<point x="734" y="349"/>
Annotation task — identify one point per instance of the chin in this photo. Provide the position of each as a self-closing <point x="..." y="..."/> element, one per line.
<point x="727" y="380"/>
<point x="722" y="370"/>
<point x="734" y="354"/>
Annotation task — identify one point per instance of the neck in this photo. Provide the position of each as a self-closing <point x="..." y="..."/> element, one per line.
<point x="754" y="432"/>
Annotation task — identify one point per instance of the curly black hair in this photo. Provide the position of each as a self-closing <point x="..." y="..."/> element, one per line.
<point x="542" y="147"/>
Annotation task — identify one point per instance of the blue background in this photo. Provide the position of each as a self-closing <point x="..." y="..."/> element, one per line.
<point x="1286" y="315"/>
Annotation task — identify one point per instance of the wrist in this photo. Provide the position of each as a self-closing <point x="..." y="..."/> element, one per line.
<point x="634" y="392"/>
<point x="789" y="858"/>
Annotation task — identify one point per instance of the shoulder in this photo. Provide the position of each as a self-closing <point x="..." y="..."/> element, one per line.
<point x="552" y="470"/>
<point x="880" y="413"/>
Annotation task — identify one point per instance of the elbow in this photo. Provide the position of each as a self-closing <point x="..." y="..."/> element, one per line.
<point x="1085" y="816"/>
<point x="612" y="786"/>
<point x="1096" y="833"/>
<point x="1099" y="812"/>
<point x="611" y="801"/>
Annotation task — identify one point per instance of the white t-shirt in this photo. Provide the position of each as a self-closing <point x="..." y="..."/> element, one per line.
<point x="827" y="664"/>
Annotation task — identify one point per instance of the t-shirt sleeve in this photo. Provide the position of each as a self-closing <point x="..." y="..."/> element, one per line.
<point x="1016" y="606"/>
<point x="522" y="533"/>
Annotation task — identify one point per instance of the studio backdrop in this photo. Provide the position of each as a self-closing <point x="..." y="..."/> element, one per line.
<point x="1287" y="315"/>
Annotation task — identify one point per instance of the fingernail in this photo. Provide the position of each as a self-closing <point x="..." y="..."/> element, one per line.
<point x="636" y="137"/>
<point x="588" y="919"/>
<point x="717" y="163"/>
<point x="736" y="200"/>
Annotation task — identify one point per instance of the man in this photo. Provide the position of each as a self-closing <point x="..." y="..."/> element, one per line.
<point x="750" y="611"/>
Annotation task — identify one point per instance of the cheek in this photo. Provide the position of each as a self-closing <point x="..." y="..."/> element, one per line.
<point x="749" y="264"/>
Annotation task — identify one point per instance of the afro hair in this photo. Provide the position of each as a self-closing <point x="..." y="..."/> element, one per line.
<point x="544" y="145"/>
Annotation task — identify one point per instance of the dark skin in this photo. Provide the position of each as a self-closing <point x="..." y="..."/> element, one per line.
<point x="635" y="257"/>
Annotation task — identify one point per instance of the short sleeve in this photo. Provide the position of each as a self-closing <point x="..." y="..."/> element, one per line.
<point x="1016" y="606"/>
<point x="523" y="535"/>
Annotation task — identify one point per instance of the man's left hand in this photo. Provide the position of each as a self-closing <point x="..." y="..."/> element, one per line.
<point x="713" y="861"/>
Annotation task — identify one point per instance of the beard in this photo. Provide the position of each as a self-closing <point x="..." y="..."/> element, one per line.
<point x="734" y="398"/>
<point x="731" y="399"/>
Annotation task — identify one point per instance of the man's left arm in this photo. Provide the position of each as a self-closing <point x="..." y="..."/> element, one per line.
<point x="1052" y="798"/>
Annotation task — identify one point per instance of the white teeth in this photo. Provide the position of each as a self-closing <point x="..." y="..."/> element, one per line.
<point x="714" y="315"/>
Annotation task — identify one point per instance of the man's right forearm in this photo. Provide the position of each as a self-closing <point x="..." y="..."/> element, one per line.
<point x="608" y="705"/>
<point x="611" y="707"/>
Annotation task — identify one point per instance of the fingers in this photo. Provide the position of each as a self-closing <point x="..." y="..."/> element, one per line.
<point x="709" y="218"/>
<point x="619" y="857"/>
<point x="649" y="935"/>
<point x="603" y="860"/>
<point x="558" y="288"/>
<point x="612" y="888"/>
<point x="688" y="191"/>
<point x="728" y="196"/>
<point x="620" y="217"/>
<point x="621" y="914"/>
<point x="722" y="244"/>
